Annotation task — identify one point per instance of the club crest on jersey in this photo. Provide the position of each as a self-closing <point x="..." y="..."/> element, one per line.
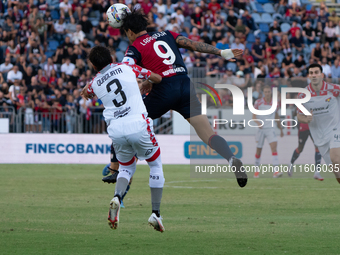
<point x="328" y="99"/>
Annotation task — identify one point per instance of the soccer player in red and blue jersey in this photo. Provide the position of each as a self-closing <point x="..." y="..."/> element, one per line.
<point x="160" y="53"/>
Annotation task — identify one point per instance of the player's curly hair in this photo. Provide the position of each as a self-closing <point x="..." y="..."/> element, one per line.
<point x="100" y="57"/>
<point x="136" y="21"/>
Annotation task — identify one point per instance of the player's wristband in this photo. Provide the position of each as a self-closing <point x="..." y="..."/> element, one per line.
<point x="227" y="54"/>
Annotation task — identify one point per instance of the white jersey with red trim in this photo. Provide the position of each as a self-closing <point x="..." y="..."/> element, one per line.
<point x="325" y="104"/>
<point x="261" y="104"/>
<point x="116" y="86"/>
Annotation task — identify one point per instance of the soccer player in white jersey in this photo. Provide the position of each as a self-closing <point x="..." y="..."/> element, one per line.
<point x="129" y="127"/>
<point x="267" y="131"/>
<point x="324" y="121"/>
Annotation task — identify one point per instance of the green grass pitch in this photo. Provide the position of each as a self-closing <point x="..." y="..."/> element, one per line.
<point x="62" y="209"/>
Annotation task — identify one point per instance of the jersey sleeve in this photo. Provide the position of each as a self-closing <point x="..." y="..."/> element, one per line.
<point x="300" y="96"/>
<point x="175" y="35"/>
<point x="257" y="104"/>
<point x="90" y="89"/>
<point x="132" y="56"/>
<point x="140" y="72"/>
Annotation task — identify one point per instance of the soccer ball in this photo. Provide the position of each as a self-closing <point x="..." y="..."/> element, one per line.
<point x="115" y="14"/>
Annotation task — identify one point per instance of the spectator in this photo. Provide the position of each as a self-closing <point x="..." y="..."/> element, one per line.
<point x="258" y="50"/>
<point x="300" y="63"/>
<point x="241" y="31"/>
<point x="8" y="26"/>
<point x="248" y="20"/>
<point x="336" y="49"/>
<point x="161" y="7"/>
<point x="87" y="27"/>
<point x="42" y="31"/>
<point x="316" y="52"/>
<point x="12" y="51"/>
<point x="297" y="43"/>
<point x="330" y="32"/>
<point x="272" y="43"/>
<point x="285" y="45"/>
<point x="205" y="37"/>
<point x="14" y="75"/>
<point x="335" y="71"/>
<point x="172" y="25"/>
<point x="326" y="52"/>
<point x="60" y="30"/>
<point x="14" y="91"/>
<point x="334" y="17"/>
<point x="326" y="69"/>
<point x="178" y="15"/>
<point x="237" y="45"/>
<point x="217" y="23"/>
<point x="287" y="62"/>
<point x="34" y="16"/>
<point x="276" y="29"/>
<point x="67" y="68"/>
<point x="194" y="36"/>
<point x="161" y="21"/>
<point x="27" y="77"/>
<point x="5" y="67"/>
<point x="70" y="114"/>
<point x="294" y="12"/>
<point x="293" y="29"/>
<point x="197" y="19"/>
<point x="214" y="6"/>
<point x="223" y="44"/>
<point x="36" y="51"/>
<point x="319" y="32"/>
<point x="49" y="66"/>
<point x="49" y="22"/>
<point x="308" y="33"/>
<point x="65" y="9"/>
<point x="231" y="21"/>
<point x="323" y="18"/>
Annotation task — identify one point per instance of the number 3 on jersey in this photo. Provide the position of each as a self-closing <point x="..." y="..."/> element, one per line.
<point x="168" y="54"/>
<point x="117" y="91"/>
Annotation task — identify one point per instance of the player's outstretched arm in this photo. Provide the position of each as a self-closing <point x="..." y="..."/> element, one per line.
<point x="186" y="43"/>
<point x="85" y="94"/>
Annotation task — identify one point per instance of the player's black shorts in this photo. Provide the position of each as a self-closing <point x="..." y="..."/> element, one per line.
<point x="303" y="136"/>
<point x="174" y="93"/>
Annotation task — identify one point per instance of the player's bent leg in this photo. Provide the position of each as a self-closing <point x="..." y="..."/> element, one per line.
<point x="335" y="158"/>
<point x="113" y="168"/>
<point x="156" y="183"/>
<point x="219" y="144"/>
<point x="126" y="171"/>
<point x="275" y="160"/>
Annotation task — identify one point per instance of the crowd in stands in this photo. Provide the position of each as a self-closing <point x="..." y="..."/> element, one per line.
<point x="44" y="47"/>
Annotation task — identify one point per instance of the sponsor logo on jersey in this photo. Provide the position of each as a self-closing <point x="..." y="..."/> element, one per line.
<point x="175" y="70"/>
<point x="122" y="113"/>
<point x="200" y="150"/>
<point x="328" y="99"/>
<point x="148" y="152"/>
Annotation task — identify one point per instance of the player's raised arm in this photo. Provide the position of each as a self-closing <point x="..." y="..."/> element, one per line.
<point x="143" y="73"/>
<point x="87" y="92"/>
<point x="186" y="43"/>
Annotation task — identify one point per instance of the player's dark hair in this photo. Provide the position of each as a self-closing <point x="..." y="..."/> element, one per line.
<point x="314" y="65"/>
<point x="136" y="21"/>
<point x="100" y="57"/>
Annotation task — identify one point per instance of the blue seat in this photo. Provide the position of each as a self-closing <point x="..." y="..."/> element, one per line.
<point x="264" y="27"/>
<point x="232" y="66"/>
<point x="285" y="27"/>
<point x="53" y="45"/>
<point x="280" y="57"/>
<point x="268" y="8"/>
<point x="123" y="45"/>
<point x="259" y="8"/>
<point x="95" y="23"/>
<point x="277" y="16"/>
<point x="119" y="56"/>
<point x="263" y="37"/>
<point x="266" y="18"/>
<point x="55" y="15"/>
<point x="249" y="46"/>
<point x="308" y="7"/>
<point x="250" y="38"/>
<point x="256" y="17"/>
<point x="49" y="54"/>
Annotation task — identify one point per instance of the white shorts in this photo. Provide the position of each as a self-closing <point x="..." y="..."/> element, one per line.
<point x="29" y="117"/>
<point x="267" y="133"/>
<point x="133" y="135"/>
<point x="333" y="143"/>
